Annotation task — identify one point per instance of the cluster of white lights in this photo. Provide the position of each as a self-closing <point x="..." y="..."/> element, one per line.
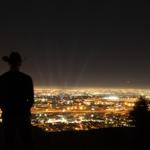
<point x="115" y="98"/>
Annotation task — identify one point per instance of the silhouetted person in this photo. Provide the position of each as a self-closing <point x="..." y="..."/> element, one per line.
<point x="140" y="117"/>
<point x="16" y="100"/>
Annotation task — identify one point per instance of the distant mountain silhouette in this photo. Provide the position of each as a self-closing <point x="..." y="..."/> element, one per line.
<point x="103" y="139"/>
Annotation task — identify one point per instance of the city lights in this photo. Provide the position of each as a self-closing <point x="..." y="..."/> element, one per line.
<point x="83" y="108"/>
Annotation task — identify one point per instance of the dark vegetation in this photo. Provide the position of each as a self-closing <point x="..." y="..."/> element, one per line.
<point x="110" y="138"/>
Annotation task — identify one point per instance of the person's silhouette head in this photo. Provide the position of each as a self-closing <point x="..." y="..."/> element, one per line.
<point x="14" y="60"/>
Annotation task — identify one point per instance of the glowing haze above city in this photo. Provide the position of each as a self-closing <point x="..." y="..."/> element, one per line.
<point x="79" y="43"/>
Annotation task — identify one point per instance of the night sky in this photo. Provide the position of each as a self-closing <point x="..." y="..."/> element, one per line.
<point x="79" y="42"/>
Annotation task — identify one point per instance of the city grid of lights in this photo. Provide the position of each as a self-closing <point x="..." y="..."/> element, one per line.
<point x="57" y="109"/>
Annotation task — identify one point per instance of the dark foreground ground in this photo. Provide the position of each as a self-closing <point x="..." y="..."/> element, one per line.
<point x="103" y="139"/>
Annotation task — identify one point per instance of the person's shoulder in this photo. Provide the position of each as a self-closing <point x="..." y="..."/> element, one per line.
<point x="3" y="75"/>
<point x="26" y="76"/>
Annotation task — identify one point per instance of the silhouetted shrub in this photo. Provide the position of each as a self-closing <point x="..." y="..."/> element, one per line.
<point x="140" y="114"/>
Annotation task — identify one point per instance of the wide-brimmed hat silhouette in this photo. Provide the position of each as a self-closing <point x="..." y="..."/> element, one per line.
<point x="13" y="58"/>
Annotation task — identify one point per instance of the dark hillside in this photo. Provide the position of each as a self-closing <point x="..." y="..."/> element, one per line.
<point x="108" y="138"/>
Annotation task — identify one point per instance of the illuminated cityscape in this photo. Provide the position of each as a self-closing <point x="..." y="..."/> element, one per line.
<point x="84" y="109"/>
